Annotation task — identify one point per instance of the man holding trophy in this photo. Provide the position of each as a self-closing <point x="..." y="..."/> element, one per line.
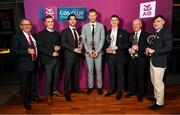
<point x="49" y="48"/>
<point x="72" y="44"/>
<point x="93" y="37"/>
<point x="116" y="50"/>
<point x="160" y="46"/>
<point x="138" y="61"/>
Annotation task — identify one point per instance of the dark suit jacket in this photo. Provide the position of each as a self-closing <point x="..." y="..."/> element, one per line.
<point x="142" y="45"/>
<point x="68" y="43"/>
<point x="162" y="46"/>
<point x="122" y="43"/>
<point x="19" y="48"/>
<point x="46" y="45"/>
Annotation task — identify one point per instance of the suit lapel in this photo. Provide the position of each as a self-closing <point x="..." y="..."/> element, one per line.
<point x="71" y="35"/>
<point x="25" y="40"/>
<point x="89" y="28"/>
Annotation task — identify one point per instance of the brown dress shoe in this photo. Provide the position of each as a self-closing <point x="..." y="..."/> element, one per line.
<point x="56" y="93"/>
<point x="49" y="100"/>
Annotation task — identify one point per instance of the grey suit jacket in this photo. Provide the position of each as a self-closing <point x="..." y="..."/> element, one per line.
<point x="99" y="37"/>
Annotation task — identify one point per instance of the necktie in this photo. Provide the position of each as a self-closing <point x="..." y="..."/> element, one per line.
<point x="34" y="56"/>
<point x="75" y="37"/>
<point x="93" y="31"/>
<point x="135" y="39"/>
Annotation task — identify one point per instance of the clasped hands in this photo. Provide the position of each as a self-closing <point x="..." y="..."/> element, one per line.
<point x="111" y="49"/>
<point x="133" y="49"/>
<point x="56" y="49"/>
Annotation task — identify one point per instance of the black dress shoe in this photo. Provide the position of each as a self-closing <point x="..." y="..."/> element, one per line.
<point x="152" y="99"/>
<point x="155" y="107"/>
<point x="109" y="93"/>
<point x="119" y="95"/>
<point x="128" y="95"/>
<point x="27" y="106"/>
<point x="140" y="98"/>
<point x="89" y="91"/>
<point x="78" y="91"/>
<point x="100" y="91"/>
<point x="36" y="99"/>
<point x="68" y="98"/>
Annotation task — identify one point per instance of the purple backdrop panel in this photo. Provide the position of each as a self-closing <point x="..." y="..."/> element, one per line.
<point x="127" y="10"/>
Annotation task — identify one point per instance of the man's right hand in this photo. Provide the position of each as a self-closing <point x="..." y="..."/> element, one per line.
<point x="77" y="50"/>
<point x="55" y="54"/>
<point x="31" y="51"/>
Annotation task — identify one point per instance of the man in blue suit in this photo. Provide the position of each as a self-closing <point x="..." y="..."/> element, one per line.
<point x="158" y="62"/>
<point x="23" y="46"/>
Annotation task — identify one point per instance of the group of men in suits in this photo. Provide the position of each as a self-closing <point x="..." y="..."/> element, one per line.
<point x="93" y="40"/>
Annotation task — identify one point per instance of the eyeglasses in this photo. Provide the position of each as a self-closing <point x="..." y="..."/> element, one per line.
<point x="26" y="24"/>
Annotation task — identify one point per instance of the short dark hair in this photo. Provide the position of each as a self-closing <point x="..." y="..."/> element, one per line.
<point x="48" y="16"/>
<point x="71" y="15"/>
<point x="158" y="16"/>
<point x="92" y="10"/>
<point x="114" y="16"/>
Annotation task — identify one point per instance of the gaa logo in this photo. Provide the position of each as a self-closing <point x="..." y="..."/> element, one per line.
<point x="80" y="12"/>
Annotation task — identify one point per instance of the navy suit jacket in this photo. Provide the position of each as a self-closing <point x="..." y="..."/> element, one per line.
<point x="19" y="48"/>
<point x="68" y="43"/>
<point x="162" y="46"/>
<point x="122" y="43"/>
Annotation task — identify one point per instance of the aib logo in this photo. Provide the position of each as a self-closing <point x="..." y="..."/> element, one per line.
<point x="147" y="9"/>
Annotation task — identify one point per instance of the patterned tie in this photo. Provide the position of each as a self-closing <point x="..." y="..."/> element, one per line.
<point x="75" y="37"/>
<point x="135" y="39"/>
<point x="34" y="56"/>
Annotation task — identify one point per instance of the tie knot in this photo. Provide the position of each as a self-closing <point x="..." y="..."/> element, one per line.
<point x="93" y="25"/>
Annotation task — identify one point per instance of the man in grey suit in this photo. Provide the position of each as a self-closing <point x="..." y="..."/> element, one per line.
<point x="93" y="38"/>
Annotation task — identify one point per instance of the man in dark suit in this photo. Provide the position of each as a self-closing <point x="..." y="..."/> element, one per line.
<point x="158" y="62"/>
<point x="49" y="48"/>
<point x="23" y="45"/>
<point x="137" y="63"/>
<point x="116" y="50"/>
<point x="70" y="42"/>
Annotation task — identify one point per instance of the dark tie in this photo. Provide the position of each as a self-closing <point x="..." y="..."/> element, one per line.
<point x="93" y="31"/>
<point x="34" y="56"/>
<point x="75" y="37"/>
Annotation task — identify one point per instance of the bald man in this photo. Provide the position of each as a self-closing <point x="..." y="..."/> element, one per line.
<point x="138" y="61"/>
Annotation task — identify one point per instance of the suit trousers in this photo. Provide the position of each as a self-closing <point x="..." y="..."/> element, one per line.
<point x="28" y="86"/>
<point x="52" y="76"/>
<point x="97" y="62"/>
<point x="71" y="78"/>
<point x="116" y="70"/>
<point x="136" y="79"/>
<point x="157" y="75"/>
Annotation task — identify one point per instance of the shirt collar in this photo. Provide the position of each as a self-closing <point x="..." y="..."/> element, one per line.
<point x="93" y="23"/>
<point x="138" y="32"/>
<point x="49" y="30"/>
<point x="71" y="27"/>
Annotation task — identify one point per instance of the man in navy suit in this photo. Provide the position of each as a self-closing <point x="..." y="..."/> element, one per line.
<point x="158" y="62"/>
<point x="137" y="63"/>
<point x="73" y="48"/>
<point x="23" y="46"/>
<point x="116" y="50"/>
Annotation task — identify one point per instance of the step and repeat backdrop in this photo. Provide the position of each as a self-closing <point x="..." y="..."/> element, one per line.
<point x="127" y="10"/>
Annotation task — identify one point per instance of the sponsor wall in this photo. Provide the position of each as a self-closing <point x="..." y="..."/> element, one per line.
<point x="127" y="10"/>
